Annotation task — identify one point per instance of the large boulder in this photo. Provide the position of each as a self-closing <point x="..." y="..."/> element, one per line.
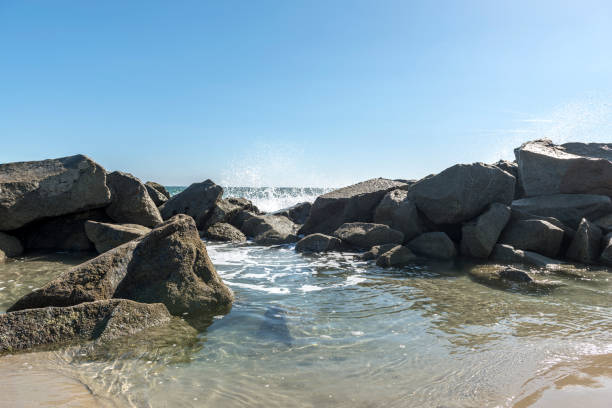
<point x="157" y="196"/>
<point x="365" y="235"/>
<point x="478" y="237"/>
<point x="168" y="265"/>
<point x="222" y="211"/>
<point x="158" y="187"/>
<point x="533" y="235"/>
<point x="196" y="201"/>
<point x="586" y="245"/>
<point x="434" y="245"/>
<point x="605" y="223"/>
<point x="270" y="229"/>
<point x="223" y="231"/>
<point x="130" y="201"/>
<point x="102" y="320"/>
<point x="399" y="212"/>
<point x="297" y="213"/>
<point x="572" y="168"/>
<point x="462" y="192"/>
<point x="376" y="251"/>
<point x="30" y="191"/>
<point x="107" y="236"/>
<point x="318" y="243"/>
<point x="512" y="168"/>
<point x="396" y="257"/>
<point x="507" y="254"/>
<point x="606" y="253"/>
<point x="570" y="209"/>
<point x="348" y="204"/>
<point x="10" y="245"/>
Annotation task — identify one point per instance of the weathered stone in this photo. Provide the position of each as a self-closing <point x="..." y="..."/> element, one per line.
<point x="503" y="253"/>
<point x="606" y="254"/>
<point x="130" y="201"/>
<point x="376" y="251"/>
<point x="168" y="265"/>
<point x="196" y="201"/>
<point x="244" y="204"/>
<point x="507" y="273"/>
<point x="567" y="208"/>
<point x="462" y="192"/>
<point x="157" y="196"/>
<point x="605" y="223"/>
<point x="66" y="232"/>
<point x="366" y="235"/>
<point x="159" y="188"/>
<point x="396" y="257"/>
<point x="348" y="204"/>
<point x="30" y="191"/>
<point x="434" y="245"/>
<point x="297" y="213"/>
<point x="512" y="168"/>
<point x="569" y="233"/>
<point x="270" y="229"/>
<point x="10" y="245"/>
<point x="400" y="213"/>
<point x="223" y="231"/>
<point x="318" y="243"/>
<point x="2" y="257"/>
<point x="107" y="236"/>
<point x="586" y="245"/>
<point x="503" y="277"/>
<point x="573" y="168"/>
<point x="479" y="236"/>
<point x="102" y="320"/>
<point x="533" y="235"/>
<point x="222" y="211"/>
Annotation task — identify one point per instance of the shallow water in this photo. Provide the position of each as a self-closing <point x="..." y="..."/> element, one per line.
<point x="327" y="330"/>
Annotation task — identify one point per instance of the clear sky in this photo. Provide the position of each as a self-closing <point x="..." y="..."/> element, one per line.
<point x="295" y="92"/>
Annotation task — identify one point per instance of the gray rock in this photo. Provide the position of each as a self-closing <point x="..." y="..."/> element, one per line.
<point x="244" y="204"/>
<point x="605" y="223"/>
<point x="396" y="257"/>
<point x="512" y="168"/>
<point x="533" y="235"/>
<point x="495" y="273"/>
<point x="503" y="253"/>
<point x="107" y="236"/>
<point x="159" y="188"/>
<point x="567" y="208"/>
<point x="348" y="204"/>
<point x="297" y="213"/>
<point x="462" y="192"/>
<point x="223" y="231"/>
<point x="376" y="251"/>
<point x="586" y="245"/>
<point x="102" y="320"/>
<point x="573" y="168"/>
<point x="270" y="229"/>
<point x="318" y="243"/>
<point x="366" y="235"/>
<point x="10" y="245"/>
<point x="168" y="265"/>
<point x="130" y="201"/>
<point x="399" y="212"/>
<point x="434" y="245"/>
<point x="478" y="237"/>
<point x="30" y="191"/>
<point x="157" y="196"/>
<point x="222" y="211"/>
<point x="196" y="201"/>
<point x="606" y="254"/>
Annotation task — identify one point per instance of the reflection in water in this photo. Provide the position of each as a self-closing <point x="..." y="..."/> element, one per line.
<point x="332" y="331"/>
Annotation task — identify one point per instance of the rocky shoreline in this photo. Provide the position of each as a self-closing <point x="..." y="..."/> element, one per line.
<point x="550" y="206"/>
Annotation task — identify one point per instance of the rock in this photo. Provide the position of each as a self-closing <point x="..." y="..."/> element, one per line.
<point x="366" y="235"/>
<point x="223" y="231"/>
<point x="270" y="229"/>
<point x="503" y="253"/>
<point x="533" y="235"/>
<point x="66" y="233"/>
<point x="396" y="257"/>
<point x="168" y="265"/>
<point x="348" y="204"/>
<point x="30" y="191"/>
<point x="159" y="188"/>
<point x="605" y="223"/>
<point x="606" y="254"/>
<point x="10" y="245"/>
<point x="478" y="237"/>
<point x="102" y="320"/>
<point x="521" y="215"/>
<point x="376" y="251"/>
<point x="567" y="208"/>
<point x="495" y="273"/>
<point x="157" y="196"/>
<point x="573" y="168"/>
<point x="196" y="201"/>
<point x="297" y="213"/>
<point x="462" y="192"/>
<point x="244" y="204"/>
<point x="399" y="212"/>
<point x="512" y="168"/>
<point x="503" y="277"/>
<point x="222" y="211"/>
<point x="318" y="243"/>
<point x="586" y="245"/>
<point x="130" y="201"/>
<point x="107" y="236"/>
<point x="434" y="245"/>
<point x="2" y="257"/>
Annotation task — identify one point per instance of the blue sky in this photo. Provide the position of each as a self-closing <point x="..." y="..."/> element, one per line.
<point x="299" y="92"/>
